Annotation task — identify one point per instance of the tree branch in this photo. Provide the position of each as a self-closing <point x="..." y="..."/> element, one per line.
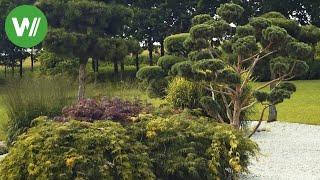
<point x="227" y="107"/>
<point x="248" y="59"/>
<point x="249" y="106"/>
<point x="253" y="66"/>
<point x="260" y="121"/>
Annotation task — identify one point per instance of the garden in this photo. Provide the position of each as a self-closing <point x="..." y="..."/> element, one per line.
<point x="146" y="89"/>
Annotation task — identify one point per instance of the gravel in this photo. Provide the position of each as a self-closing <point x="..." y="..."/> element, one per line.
<point x="288" y="152"/>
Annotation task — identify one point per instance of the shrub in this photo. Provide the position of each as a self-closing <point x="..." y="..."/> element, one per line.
<point x="104" y="109"/>
<point x="188" y="147"/>
<point x="157" y="88"/>
<point x="29" y="98"/>
<point x="149" y="73"/>
<point x="76" y="150"/>
<point x="167" y="61"/>
<point x="184" y="94"/>
<point x="181" y="146"/>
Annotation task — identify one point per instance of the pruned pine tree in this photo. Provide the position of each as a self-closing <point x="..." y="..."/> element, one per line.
<point x="223" y="55"/>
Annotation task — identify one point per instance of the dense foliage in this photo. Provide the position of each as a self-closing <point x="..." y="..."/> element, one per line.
<point x="182" y="93"/>
<point x="76" y="150"/>
<point x="51" y="64"/>
<point x="181" y="146"/>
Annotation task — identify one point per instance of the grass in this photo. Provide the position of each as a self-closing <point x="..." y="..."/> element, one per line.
<point x="303" y="107"/>
<point x="3" y="120"/>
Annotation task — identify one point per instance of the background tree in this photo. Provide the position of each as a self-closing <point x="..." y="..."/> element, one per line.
<point x="76" y="27"/>
<point x="135" y="49"/>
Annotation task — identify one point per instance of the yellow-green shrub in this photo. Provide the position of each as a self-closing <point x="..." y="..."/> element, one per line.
<point x="76" y="150"/>
<point x="188" y="147"/>
<point x="180" y="146"/>
<point x="184" y="94"/>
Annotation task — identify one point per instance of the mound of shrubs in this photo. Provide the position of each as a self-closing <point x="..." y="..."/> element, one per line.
<point x="76" y="150"/>
<point x="170" y="146"/>
<point x="104" y="109"/>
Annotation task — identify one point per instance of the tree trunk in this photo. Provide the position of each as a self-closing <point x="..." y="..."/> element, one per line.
<point x="82" y="79"/>
<point x="122" y="69"/>
<point x="95" y="69"/>
<point x="150" y="57"/>
<point x="20" y="67"/>
<point x="12" y="68"/>
<point x="115" y="67"/>
<point x="97" y="65"/>
<point x="150" y="49"/>
<point x="5" y="70"/>
<point x="162" y="47"/>
<point x="236" y="114"/>
<point x="273" y="114"/>
<point x="137" y="62"/>
<point x="32" y="59"/>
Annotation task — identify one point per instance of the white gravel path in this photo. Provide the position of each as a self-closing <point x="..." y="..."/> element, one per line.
<point x="288" y="152"/>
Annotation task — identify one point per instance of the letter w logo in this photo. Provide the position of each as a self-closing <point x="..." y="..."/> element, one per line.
<point x="26" y="25"/>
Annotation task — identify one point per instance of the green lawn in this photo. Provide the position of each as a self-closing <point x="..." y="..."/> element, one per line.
<point x="304" y="105"/>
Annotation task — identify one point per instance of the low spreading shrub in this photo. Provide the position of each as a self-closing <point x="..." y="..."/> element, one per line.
<point x="76" y="150"/>
<point x="183" y="146"/>
<point x="27" y="99"/>
<point x="104" y="109"/>
<point x="184" y="94"/>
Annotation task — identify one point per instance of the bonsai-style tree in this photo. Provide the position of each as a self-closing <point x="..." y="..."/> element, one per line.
<point x="224" y="54"/>
<point x="308" y="34"/>
<point x="76" y="27"/>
